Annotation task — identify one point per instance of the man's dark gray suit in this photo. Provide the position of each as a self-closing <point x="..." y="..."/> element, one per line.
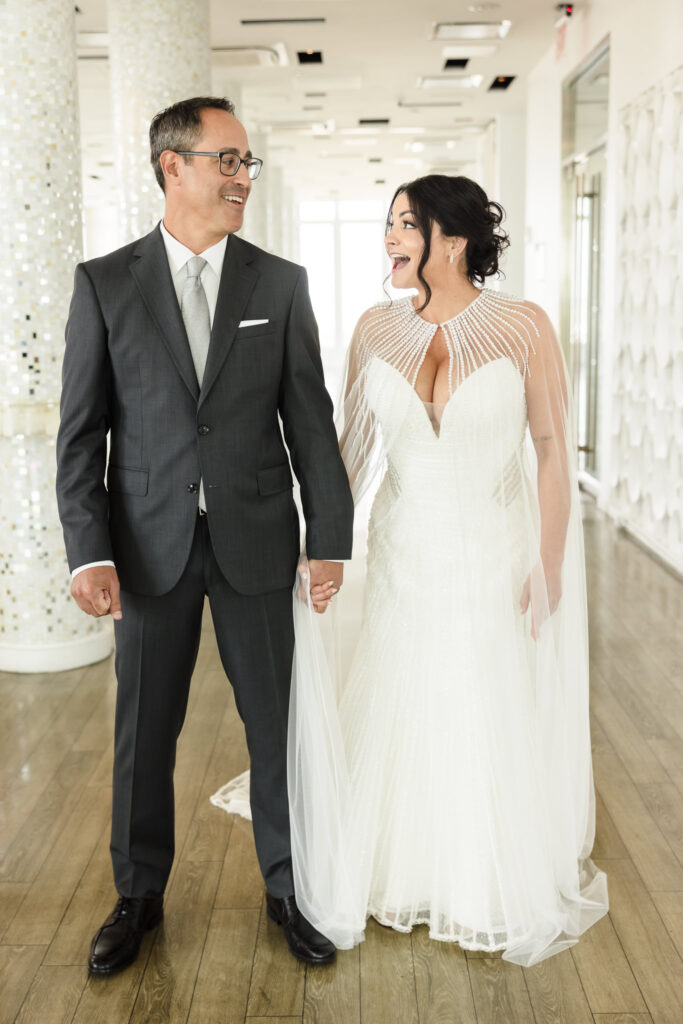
<point x="128" y="371"/>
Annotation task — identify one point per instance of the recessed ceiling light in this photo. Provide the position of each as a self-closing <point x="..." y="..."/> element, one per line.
<point x="471" y="29"/>
<point x="502" y="82"/>
<point x="310" y="56"/>
<point x="450" y="82"/>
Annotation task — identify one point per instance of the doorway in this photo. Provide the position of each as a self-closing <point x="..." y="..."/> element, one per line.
<point x="584" y="174"/>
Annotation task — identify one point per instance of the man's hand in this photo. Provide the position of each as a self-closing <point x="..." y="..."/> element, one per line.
<point x="97" y="591"/>
<point x="326" y="579"/>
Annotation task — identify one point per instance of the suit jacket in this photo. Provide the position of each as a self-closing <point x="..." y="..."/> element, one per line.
<point x="128" y="372"/>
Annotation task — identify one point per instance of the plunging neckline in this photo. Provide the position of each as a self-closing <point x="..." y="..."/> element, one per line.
<point x="448" y="402"/>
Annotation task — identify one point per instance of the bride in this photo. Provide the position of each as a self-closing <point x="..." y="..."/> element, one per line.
<point x="446" y="780"/>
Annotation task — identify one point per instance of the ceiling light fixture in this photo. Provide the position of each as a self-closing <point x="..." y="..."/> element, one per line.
<point x="502" y="82"/>
<point x="310" y="56"/>
<point x="471" y="29"/>
<point x="450" y="81"/>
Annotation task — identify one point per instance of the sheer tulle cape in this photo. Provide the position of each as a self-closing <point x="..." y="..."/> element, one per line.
<point x="441" y="774"/>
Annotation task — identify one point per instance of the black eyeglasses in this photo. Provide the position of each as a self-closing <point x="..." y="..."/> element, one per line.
<point x="229" y="163"/>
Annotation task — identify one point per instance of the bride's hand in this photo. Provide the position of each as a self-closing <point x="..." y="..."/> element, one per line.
<point x="553" y="586"/>
<point x="321" y="593"/>
<point x="321" y="596"/>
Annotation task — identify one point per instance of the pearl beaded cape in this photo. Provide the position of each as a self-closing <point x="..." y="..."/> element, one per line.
<point x="493" y="326"/>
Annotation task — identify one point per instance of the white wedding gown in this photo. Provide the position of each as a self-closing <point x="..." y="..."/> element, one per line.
<point x="446" y="779"/>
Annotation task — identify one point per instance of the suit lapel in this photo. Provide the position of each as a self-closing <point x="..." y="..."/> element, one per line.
<point x="236" y="285"/>
<point x="152" y="275"/>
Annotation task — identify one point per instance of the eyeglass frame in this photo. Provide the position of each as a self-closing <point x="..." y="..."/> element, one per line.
<point x="240" y="161"/>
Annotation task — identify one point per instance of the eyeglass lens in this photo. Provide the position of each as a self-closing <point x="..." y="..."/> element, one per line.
<point x="230" y="165"/>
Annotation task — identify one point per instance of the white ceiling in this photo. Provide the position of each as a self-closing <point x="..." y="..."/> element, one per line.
<point x="374" y="53"/>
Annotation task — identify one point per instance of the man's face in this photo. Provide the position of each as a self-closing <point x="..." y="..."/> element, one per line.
<point x="216" y="200"/>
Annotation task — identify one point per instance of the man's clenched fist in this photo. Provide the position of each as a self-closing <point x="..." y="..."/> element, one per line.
<point x="97" y="591"/>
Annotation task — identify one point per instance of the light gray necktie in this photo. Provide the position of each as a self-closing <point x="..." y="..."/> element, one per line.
<point x="195" y="311"/>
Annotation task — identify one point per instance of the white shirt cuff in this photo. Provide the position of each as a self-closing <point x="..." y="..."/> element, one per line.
<point x="88" y="565"/>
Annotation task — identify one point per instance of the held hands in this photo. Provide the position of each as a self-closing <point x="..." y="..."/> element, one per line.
<point x="96" y="591"/>
<point x="325" y="580"/>
<point x="540" y="611"/>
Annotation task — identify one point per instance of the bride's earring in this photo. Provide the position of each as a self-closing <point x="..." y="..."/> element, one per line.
<point x="451" y="258"/>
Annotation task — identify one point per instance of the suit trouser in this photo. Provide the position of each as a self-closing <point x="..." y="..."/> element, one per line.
<point x="156" y="649"/>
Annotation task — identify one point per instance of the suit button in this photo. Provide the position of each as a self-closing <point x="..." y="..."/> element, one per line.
<point x="192" y="488"/>
<point x="203" y="429"/>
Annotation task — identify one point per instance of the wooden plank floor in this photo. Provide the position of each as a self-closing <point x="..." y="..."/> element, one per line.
<point x="218" y="959"/>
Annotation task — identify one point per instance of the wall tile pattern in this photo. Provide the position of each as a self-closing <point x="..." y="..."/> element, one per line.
<point x="646" y="480"/>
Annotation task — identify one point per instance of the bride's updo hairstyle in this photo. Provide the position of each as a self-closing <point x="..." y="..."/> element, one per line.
<point x="461" y="208"/>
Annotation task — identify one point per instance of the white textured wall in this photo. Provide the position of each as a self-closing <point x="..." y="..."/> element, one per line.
<point x="644" y="50"/>
<point x="509" y="190"/>
<point x="646" y="469"/>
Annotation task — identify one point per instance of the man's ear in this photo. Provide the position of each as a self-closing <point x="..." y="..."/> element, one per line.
<point x="170" y="165"/>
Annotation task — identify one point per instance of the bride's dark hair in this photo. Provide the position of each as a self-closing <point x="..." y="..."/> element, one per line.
<point x="461" y="208"/>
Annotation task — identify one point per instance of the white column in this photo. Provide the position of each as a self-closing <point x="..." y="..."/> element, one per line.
<point x="159" y="54"/>
<point x="41" y="628"/>
<point x="289" y="247"/>
<point x="275" y="201"/>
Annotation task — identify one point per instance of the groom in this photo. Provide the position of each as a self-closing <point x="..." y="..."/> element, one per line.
<point x="184" y="347"/>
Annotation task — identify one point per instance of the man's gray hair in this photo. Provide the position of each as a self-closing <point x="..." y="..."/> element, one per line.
<point x="179" y="127"/>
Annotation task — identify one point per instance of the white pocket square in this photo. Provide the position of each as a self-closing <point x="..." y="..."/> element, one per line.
<point x="252" y="323"/>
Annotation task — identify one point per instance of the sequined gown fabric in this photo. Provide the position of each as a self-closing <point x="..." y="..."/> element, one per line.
<point x="446" y="779"/>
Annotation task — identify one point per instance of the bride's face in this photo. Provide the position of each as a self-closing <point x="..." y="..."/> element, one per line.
<point x="404" y="244"/>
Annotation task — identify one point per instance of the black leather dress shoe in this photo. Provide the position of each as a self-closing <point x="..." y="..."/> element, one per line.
<point x="305" y="943"/>
<point x="117" y="944"/>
